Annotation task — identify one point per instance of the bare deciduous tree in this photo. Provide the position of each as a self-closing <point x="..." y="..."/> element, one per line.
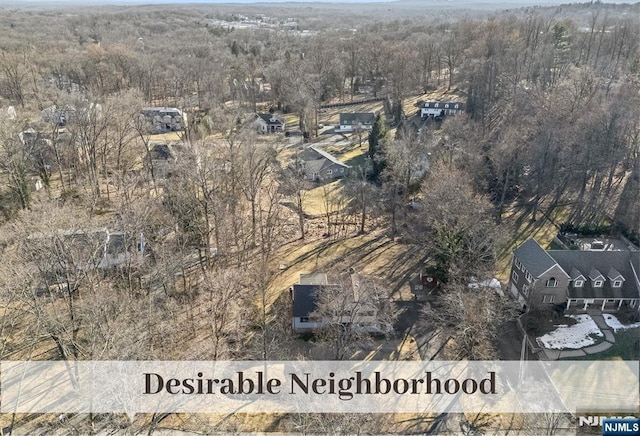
<point x="351" y="310"/>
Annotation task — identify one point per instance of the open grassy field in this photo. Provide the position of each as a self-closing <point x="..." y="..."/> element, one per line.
<point x="168" y="136"/>
<point x="315" y="200"/>
<point x="371" y="253"/>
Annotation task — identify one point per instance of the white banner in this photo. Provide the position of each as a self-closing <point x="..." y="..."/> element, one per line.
<point x="318" y="387"/>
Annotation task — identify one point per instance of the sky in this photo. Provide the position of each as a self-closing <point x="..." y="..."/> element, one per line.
<point x="197" y="1"/>
<point x="516" y="3"/>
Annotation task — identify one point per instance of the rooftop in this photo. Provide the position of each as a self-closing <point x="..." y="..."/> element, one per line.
<point x="536" y="259"/>
<point x="312" y="153"/>
<point x="601" y="265"/>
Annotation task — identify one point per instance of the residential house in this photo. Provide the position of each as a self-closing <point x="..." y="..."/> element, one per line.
<point x="304" y="298"/>
<point x="164" y="119"/>
<point x="93" y="249"/>
<point x="351" y="122"/>
<point x="583" y="280"/>
<point x="316" y="164"/>
<point x="161" y="160"/>
<point x="357" y="313"/>
<point x="60" y="116"/>
<point x="432" y="109"/>
<point x="28" y="137"/>
<point x="66" y="256"/>
<point x="268" y="123"/>
<point x="120" y="249"/>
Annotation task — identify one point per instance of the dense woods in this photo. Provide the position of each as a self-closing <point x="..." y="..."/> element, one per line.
<point x="552" y="122"/>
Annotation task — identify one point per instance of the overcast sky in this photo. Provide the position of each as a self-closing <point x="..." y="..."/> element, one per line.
<point x="294" y="1"/>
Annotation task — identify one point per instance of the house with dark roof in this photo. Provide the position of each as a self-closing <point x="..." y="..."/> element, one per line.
<point x="356" y="312"/>
<point x="304" y="297"/>
<point x="352" y="121"/>
<point x="432" y="109"/>
<point x="317" y="164"/>
<point x="582" y="280"/>
<point x="161" y="160"/>
<point x="121" y="248"/>
<point x="268" y="123"/>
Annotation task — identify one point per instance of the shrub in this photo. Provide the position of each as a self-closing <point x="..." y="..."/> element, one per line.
<point x="628" y="315"/>
<point x="585" y="229"/>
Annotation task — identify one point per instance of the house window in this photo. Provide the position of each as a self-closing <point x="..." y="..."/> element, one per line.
<point x="456" y="106"/>
<point x="514" y="277"/>
<point x="578" y="283"/>
<point x="552" y="283"/>
<point x="330" y="171"/>
<point x="518" y="264"/>
<point x="529" y="277"/>
<point x="597" y="283"/>
<point x="342" y="170"/>
<point x="617" y="283"/>
<point x="304" y="319"/>
<point x="548" y="298"/>
<point x="446" y="106"/>
<point x="435" y="105"/>
<point x="525" y="290"/>
<point x="633" y="303"/>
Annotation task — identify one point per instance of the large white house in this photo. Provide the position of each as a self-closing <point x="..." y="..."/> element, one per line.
<point x="165" y="119"/>
<point x="268" y="123"/>
<point x="432" y="109"/>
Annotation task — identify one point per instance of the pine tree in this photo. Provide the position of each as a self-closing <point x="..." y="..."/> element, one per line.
<point x="376" y="151"/>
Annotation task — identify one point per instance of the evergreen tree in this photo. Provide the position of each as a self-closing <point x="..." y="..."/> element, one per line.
<point x="376" y="151"/>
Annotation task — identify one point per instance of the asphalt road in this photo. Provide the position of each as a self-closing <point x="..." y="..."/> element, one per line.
<point x="510" y="342"/>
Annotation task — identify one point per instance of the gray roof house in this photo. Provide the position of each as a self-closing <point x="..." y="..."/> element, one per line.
<point x="161" y="159"/>
<point x="59" y="115"/>
<point x="164" y="119"/>
<point x="349" y="122"/>
<point x="65" y="255"/>
<point x="317" y="164"/>
<point x="305" y="295"/>
<point x="603" y="280"/>
<point x="268" y="123"/>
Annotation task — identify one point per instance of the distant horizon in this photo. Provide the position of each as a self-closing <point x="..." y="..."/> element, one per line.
<point x="244" y="2"/>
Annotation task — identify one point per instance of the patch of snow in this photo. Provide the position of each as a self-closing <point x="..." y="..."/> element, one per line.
<point x="572" y="337"/>
<point x="616" y="325"/>
<point x="492" y="284"/>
